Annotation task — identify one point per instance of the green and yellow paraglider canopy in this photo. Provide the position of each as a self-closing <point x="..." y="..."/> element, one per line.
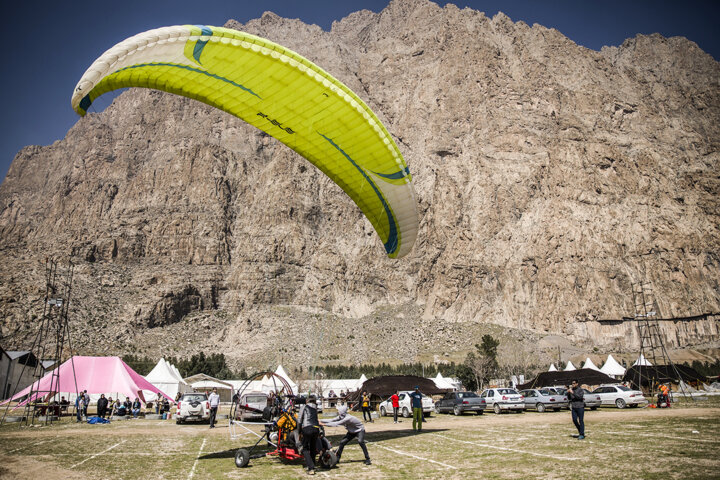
<point x="282" y="94"/>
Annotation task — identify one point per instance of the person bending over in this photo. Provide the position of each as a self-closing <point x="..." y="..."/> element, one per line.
<point x="355" y="429"/>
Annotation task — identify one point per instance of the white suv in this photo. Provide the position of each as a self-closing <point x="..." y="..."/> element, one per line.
<point x="503" y="399"/>
<point x="620" y="396"/>
<point x="193" y="406"/>
<point x="405" y="409"/>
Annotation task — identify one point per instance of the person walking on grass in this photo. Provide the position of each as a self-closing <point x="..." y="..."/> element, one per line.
<point x="395" y="399"/>
<point x="576" y="396"/>
<point x="355" y="429"/>
<point x="310" y="427"/>
<point x="214" y="401"/>
<point x="366" y="406"/>
<point x="416" y="404"/>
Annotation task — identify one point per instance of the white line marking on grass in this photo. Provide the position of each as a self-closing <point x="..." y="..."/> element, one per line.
<point x="413" y="456"/>
<point x="506" y="448"/>
<point x="614" y="446"/>
<point x="192" y="472"/>
<point x="104" y="451"/>
<point x="655" y="435"/>
<point x="34" y="444"/>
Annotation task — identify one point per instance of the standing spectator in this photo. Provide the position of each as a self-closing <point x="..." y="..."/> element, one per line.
<point x="395" y="399"/>
<point x="136" y="407"/>
<point x="214" y="404"/>
<point x="310" y="428"/>
<point x="366" y="406"/>
<point x="354" y="427"/>
<point x="79" y="407"/>
<point x="86" y="402"/>
<point x="110" y="407"/>
<point x="576" y="396"/>
<point x="102" y="405"/>
<point x="158" y="404"/>
<point x="416" y="404"/>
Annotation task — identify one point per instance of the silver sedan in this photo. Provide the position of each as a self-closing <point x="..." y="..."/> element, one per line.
<point x="541" y="400"/>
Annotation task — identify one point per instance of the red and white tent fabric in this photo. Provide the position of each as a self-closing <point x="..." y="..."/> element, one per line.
<point x="95" y="374"/>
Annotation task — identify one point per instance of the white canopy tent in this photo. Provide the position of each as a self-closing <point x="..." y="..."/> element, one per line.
<point x="205" y="383"/>
<point x="552" y="368"/>
<point x="280" y="372"/>
<point x="339" y="385"/>
<point x="569" y="367"/>
<point x="166" y="378"/>
<point x="589" y="364"/>
<point x="444" y="383"/>
<point x="612" y="368"/>
<point x="642" y="361"/>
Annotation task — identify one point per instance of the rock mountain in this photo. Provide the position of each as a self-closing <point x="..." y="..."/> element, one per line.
<point x="550" y="178"/>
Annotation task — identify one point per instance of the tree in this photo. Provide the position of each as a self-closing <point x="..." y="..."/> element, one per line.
<point x="488" y="348"/>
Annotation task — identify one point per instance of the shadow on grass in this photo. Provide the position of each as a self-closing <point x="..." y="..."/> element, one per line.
<point x="371" y="437"/>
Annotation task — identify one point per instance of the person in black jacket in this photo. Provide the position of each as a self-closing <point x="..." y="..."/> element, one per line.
<point x="575" y="396"/>
<point x="309" y="425"/>
<point x="102" y="406"/>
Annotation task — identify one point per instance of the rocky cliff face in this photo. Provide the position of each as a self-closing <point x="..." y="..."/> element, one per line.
<point x="550" y="178"/>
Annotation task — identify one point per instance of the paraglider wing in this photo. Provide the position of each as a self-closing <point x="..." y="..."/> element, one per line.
<point x="282" y="94"/>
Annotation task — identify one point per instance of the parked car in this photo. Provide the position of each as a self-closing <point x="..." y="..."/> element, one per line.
<point x="620" y="396"/>
<point x="193" y="406"/>
<point x="541" y="399"/>
<point x="255" y="400"/>
<point x="460" y="402"/>
<point x="503" y="399"/>
<point x="592" y="400"/>
<point x="557" y="390"/>
<point x="405" y="408"/>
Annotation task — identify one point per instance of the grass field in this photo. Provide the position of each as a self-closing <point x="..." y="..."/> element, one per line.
<point x="682" y="442"/>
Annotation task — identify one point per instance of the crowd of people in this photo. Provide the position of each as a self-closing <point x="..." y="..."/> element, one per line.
<point x="107" y="407"/>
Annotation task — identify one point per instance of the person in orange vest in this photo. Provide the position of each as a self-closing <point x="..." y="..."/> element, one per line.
<point x="666" y="394"/>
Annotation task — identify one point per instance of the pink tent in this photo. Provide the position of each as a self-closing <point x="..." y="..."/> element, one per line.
<point x="94" y="374"/>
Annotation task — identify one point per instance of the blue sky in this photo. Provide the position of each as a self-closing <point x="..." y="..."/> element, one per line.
<point x="51" y="43"/>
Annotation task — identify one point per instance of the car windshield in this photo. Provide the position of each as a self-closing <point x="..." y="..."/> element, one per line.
<point x="194" y="398"/>
<point x="623" y="388"/>
<point x="507" y="391"/>
<point x="467" y="395"/>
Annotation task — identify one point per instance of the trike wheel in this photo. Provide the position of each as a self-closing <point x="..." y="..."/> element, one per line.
<point x="328" y="459"/>
<point x="242" y="458"/>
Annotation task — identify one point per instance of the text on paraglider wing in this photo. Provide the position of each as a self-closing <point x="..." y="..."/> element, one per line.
<point x="276" y="123"/>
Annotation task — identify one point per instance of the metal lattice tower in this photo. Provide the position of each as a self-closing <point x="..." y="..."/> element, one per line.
<point x="49" y="344"/>
<point x="652" y="345"/>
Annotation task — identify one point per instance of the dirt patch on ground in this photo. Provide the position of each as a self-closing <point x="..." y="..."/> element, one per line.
<point x="27" y="467"/>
